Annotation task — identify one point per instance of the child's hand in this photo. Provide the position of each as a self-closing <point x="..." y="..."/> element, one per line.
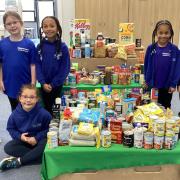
<point x="178" y="88"/>
<point x="24" y="137"/>
<point x="171" y="90"/>
<point x="2" y="86"/>
<point x="32" y="141"/>
<point x="47" y="88"/>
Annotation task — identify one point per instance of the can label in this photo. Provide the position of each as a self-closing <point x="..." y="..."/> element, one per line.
<point x="148" y="140"/>
<point x="106" y="138"/>
<point x="169" y="144"/>
<point x="52" y="139"/>
<point x="128" y="139"/>
<point x="158" y="142"/>
<point x="159" y="127"/>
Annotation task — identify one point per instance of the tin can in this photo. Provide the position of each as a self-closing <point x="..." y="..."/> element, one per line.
<point x="91" y="105"/>
<point x="168" y="143"/>
<point x="148" y="140"/>
<point x="74" y="92"/>
<point x="72" y="103"/>
<point x="159" y="127"/>
<point x="77" y="52"/>
<point x="136" y="78"/>
<point x="170" y="125"/>
<point x="105" y="138"/>
<point x="138" y="42"/>
<point x="71" y="79"/>
<point x="128" y="138"/>
<point x="102" y="77"/>
<point x="102" y="105"/>
<point x="114" y="79"/>
<point x="52" y="139"/>
<point x="158" y="142"/>
<point x="92" y="100"/>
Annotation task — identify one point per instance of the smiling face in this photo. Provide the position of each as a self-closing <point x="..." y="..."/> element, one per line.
<point x="13" y="25"/>
<point x="49" y="28"/>
<point x="163" y="34"/>
<point x="28" y="99"/>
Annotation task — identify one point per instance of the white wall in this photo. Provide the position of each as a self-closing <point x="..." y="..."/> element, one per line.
<point x="66" y="12"/>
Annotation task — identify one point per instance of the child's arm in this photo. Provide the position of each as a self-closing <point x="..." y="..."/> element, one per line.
<point x="33" y="74"/>
<point x="1" y="79"/>
<point x="64" y="69"/>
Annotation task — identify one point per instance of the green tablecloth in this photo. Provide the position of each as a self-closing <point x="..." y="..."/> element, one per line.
<point x="67" y="159"/>
<point x="92" y="87"/>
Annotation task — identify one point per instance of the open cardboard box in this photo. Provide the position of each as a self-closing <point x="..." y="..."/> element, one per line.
<point x="165" y="172"/>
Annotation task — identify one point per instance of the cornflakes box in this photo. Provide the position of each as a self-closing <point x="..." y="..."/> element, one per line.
<point x="77" y="27"/>
<point x="126" y="33"/>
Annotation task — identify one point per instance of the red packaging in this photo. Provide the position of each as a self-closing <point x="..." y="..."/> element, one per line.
<point x="115" y="125"/>
<point x="138" y="98"/>
<point x="116" y="137"/>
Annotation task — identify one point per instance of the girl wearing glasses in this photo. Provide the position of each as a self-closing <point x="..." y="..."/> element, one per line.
<point x="28" y="126"/>
<point x="17" y="58"/>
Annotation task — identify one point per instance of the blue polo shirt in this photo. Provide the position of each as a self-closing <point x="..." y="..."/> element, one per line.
<point x="162" y="64"/>
<point x="16" y="58"/>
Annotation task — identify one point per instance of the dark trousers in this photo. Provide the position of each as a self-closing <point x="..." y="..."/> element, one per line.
<point x="28" y="154"/>
<point x="49" y="98"/>
<point x="164" y="98"/>
<point x="13" y="102"/>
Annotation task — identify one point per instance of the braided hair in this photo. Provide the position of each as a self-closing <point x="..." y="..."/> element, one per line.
<point x="162" y="22"/>
<point x="58" y="38"/>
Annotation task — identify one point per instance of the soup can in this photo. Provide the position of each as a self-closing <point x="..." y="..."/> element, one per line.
<point x="128" y="138"/>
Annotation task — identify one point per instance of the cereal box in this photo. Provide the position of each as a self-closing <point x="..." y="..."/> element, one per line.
<point x="126" y="33"/>
<point x="77" y="28"/>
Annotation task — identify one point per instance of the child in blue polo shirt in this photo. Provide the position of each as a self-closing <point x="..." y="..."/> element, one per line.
<point x="17" y="58"/>
<point x="28" y="126"/>
<point x="162" y="63"/>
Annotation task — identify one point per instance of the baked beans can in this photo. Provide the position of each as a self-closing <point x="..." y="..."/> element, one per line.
<point x="158" y="142"/>
<point x="52" y="139"/>
<point x="148" y="140"/>
<point x="128" y="138"/>
<point x="159" y="127"/>
<point x="105" y="138"/>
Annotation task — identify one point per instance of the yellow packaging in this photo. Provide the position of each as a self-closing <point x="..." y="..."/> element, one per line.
<point x="126" y="33"/>
<point x="85" y="128"/>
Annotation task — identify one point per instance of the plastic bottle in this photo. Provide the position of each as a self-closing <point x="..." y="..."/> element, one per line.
<point x="83" y="38"/>
<point x="138" y="136"/>
<point x="56" y="109"/>
<point x="87" y="50"/>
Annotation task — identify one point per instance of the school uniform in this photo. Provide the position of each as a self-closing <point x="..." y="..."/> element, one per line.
<point x="36" y="124"/>
<point x="52" y="69"/>
<point x="161" y="70"/>
<point x="16" y="58"/>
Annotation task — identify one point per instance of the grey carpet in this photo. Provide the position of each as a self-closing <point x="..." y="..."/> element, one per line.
<point x="26" y="172"/>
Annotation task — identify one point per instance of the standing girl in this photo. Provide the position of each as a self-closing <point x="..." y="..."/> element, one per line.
<point x="28" y="126"/>
<point x="53" y="64"/>
<point x="162" y="62"/>
<point x="17" y="58"/>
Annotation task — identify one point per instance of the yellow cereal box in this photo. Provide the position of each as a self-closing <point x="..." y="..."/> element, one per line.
<point x="126" y="33"/>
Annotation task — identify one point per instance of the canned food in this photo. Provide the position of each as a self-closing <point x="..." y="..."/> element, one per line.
<point x="148" y="140"/>
<point x="159" y="128"/>
<point x="52" y="139"/>
<point x="114" y="78"/>
<point x="128" y="138"/>
<point x="158" y="142"/>
<point x="106" y="138"/>
<point x="72" y="103"/>
<point x="168" y="144"/>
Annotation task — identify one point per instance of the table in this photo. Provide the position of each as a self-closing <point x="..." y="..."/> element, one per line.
<point x="67" y="159"/>
<point x="89" y="87"/>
